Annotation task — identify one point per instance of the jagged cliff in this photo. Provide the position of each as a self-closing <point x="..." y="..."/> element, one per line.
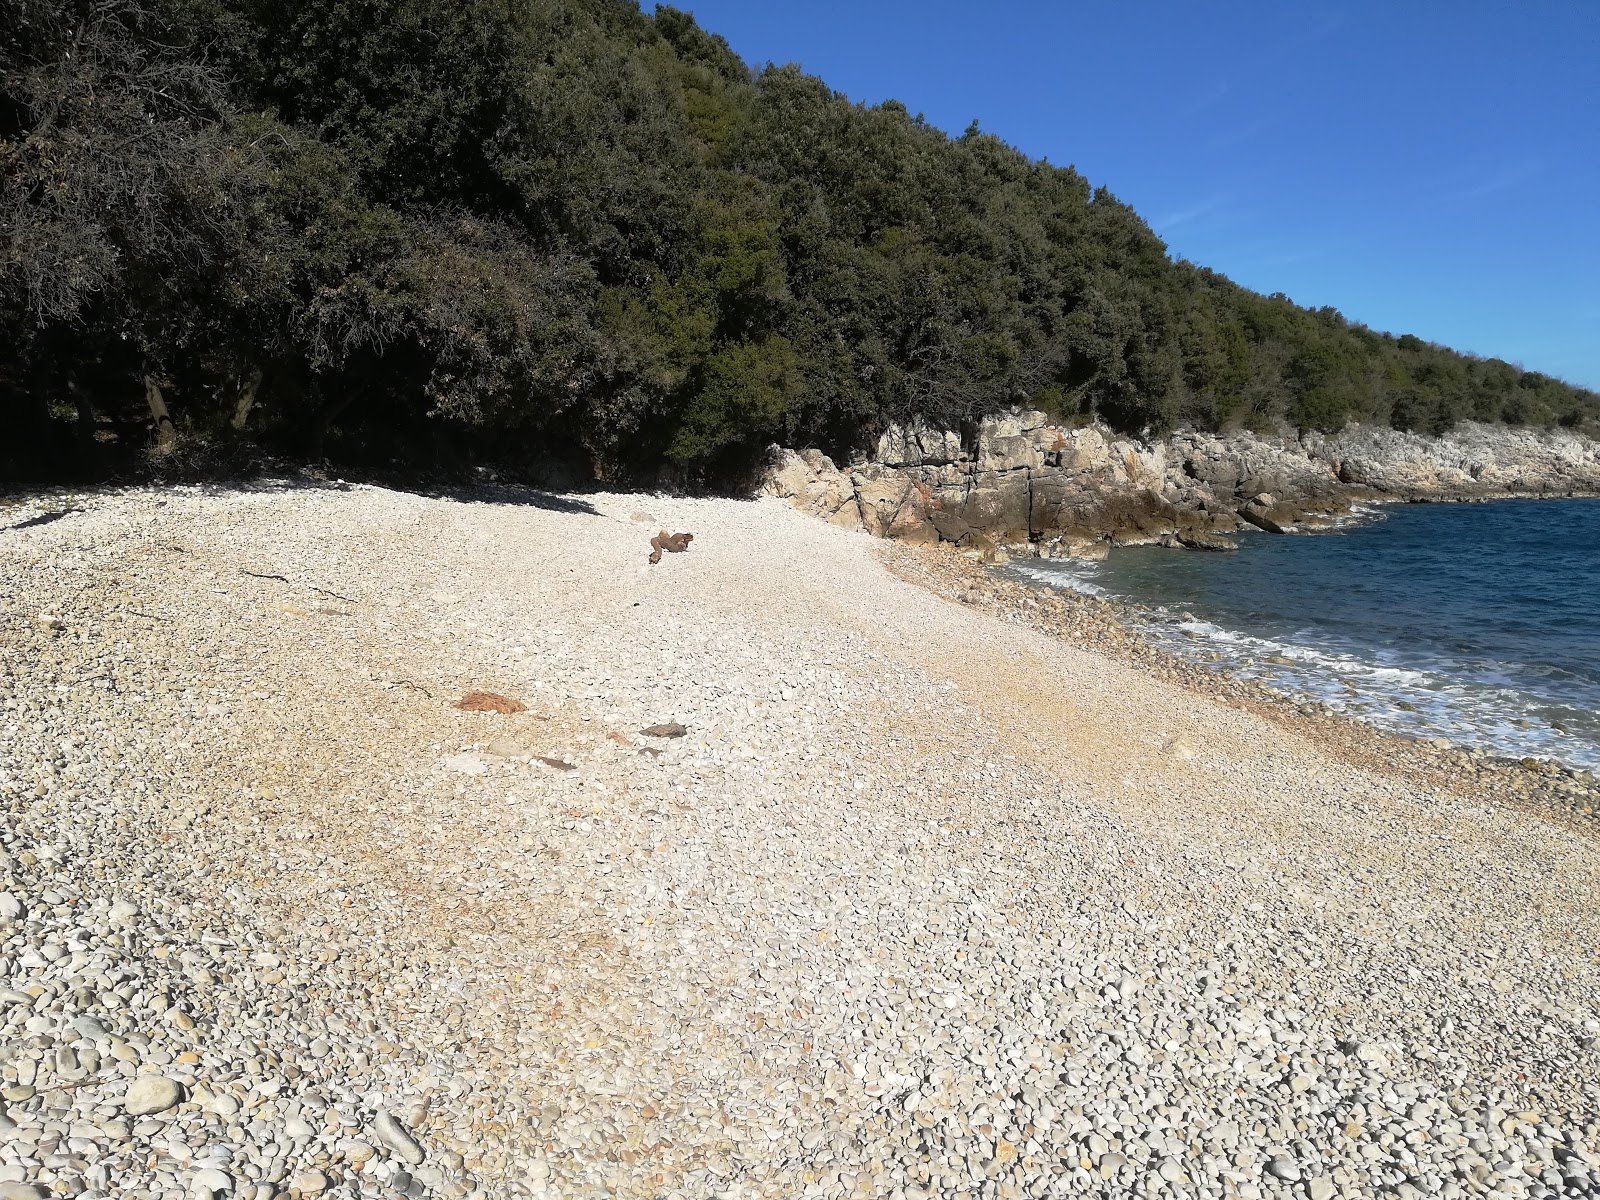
<point x="1020" y="482"/>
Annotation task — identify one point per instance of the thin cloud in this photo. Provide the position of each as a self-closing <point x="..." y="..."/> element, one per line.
<point x="1210" y="98"/>
<point x="1504" y="178"/>
<point x="1273" y="253"/>
<point x="1289" y="257"/>
<point x="1185" y="215"/>
<point x="1242" y="133"/>
<point x="1329" y="25"/>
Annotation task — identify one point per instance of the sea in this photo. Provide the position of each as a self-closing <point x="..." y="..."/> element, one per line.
<point x="1475" y="623"/>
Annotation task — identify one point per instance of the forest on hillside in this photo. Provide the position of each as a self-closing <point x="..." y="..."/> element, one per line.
<point x="431" y="233"/>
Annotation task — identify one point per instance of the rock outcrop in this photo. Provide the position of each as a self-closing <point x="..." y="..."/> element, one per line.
<point x="1020" y="481"/>
<point x="1471" y="462"/>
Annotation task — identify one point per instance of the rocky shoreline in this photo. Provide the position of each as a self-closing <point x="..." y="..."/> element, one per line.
<point x="1019" y="484"/>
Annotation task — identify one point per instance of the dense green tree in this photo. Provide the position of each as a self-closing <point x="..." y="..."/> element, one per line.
<point x="422" y="231"/>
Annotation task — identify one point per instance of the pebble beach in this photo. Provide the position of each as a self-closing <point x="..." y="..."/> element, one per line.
<point x="807" y="868"/>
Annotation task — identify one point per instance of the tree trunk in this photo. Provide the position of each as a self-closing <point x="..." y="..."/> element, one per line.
<point x="324" y="420"/>
<point x="248" y="387"/>
<point x="85" y="426"/>
<point x="166" y="432"/>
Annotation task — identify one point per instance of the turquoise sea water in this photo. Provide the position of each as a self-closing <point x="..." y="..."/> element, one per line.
<point x="1479" y="623"/>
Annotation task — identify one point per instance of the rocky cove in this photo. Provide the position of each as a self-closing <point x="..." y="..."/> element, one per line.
<point x="1017" y="482"/>
<point x="944" y="888"/>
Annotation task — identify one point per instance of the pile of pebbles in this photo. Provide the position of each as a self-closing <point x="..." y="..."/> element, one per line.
<point x="921" y="903"/>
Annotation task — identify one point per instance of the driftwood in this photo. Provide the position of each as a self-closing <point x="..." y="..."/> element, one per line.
<point x="673" y="543"/>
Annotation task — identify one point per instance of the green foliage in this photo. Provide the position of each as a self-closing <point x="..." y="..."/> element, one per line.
<point x="744" y="398"/>
<point x="399" y="229"/>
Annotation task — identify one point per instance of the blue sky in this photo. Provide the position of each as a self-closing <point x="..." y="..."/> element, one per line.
<point x="1427" y="167"/>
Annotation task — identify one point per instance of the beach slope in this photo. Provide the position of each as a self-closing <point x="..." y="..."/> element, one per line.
<point x="919" y="901"/>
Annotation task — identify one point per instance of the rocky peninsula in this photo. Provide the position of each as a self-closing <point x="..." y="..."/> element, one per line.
<point x="942" y="891"/>
<point x="1020" y="482"/>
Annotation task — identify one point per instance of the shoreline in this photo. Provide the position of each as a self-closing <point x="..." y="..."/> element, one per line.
<point x="1107" y="625"/>
<point x="794" y="876"/>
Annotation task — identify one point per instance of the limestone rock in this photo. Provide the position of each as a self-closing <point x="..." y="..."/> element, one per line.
<point x="151" y="1094"/>
<point x="894" y="504"/>
<point x="1471" y="460"/>
<point x="1074" y="546"/>
<point x="1085" y="450"/>
<point x="395" y="1136"/>
<point x="464" y="764"/>
<point x="918" y="444"/>
<point x="949" y="526"/>
<point x="1003" y="446"/>
<point x="1267" y="517"/>
<point x="1199" y="539"/>
<point x="999" y="503"/>
<point x="985" y="550"/>
<point x="1027" y="479"/>
<point x="810" y="482"/>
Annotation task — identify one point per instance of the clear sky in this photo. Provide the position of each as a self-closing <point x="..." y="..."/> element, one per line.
<point x="1426" y="167"/>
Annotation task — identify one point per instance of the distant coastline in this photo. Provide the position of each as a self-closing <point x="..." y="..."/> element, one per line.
<point x="1022" y="485"/>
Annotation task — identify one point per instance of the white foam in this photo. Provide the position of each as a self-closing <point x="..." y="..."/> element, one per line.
<point x="1403" y="699"/>
<point x="1400" y="697"/>
<point x="1059" y="577"/>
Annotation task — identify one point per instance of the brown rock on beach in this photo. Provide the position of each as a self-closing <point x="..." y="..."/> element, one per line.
<point x="490" y="702"/>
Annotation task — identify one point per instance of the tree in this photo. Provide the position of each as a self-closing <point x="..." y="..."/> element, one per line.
<point x="419" y="231"/>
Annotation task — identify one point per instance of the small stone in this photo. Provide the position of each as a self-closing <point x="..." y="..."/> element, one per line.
<point x="87" y="1027"/>
<point x="465" y="764"/>
<point x="223" y="1105"/>
<point x="394" y="1135"/>
<point x="1284" y="1168"/>
<point x="151" y="1094"/>
<point x="122" y="913"/>
<point x="309" y="1183"/>
<point x="21" y="1191"/>
<point x="11" y="908"/>
<point x="1321" y="1188"/>
<point x="213" y="1180"/>
<point x="1181" y="748"/>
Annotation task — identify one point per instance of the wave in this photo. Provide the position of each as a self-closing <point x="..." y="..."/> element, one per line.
<point x="1059" y="577"/>
<point x="1500" y="708"/>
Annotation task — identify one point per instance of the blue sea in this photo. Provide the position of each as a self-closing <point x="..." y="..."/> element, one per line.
<point x="1478" y="623"/>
